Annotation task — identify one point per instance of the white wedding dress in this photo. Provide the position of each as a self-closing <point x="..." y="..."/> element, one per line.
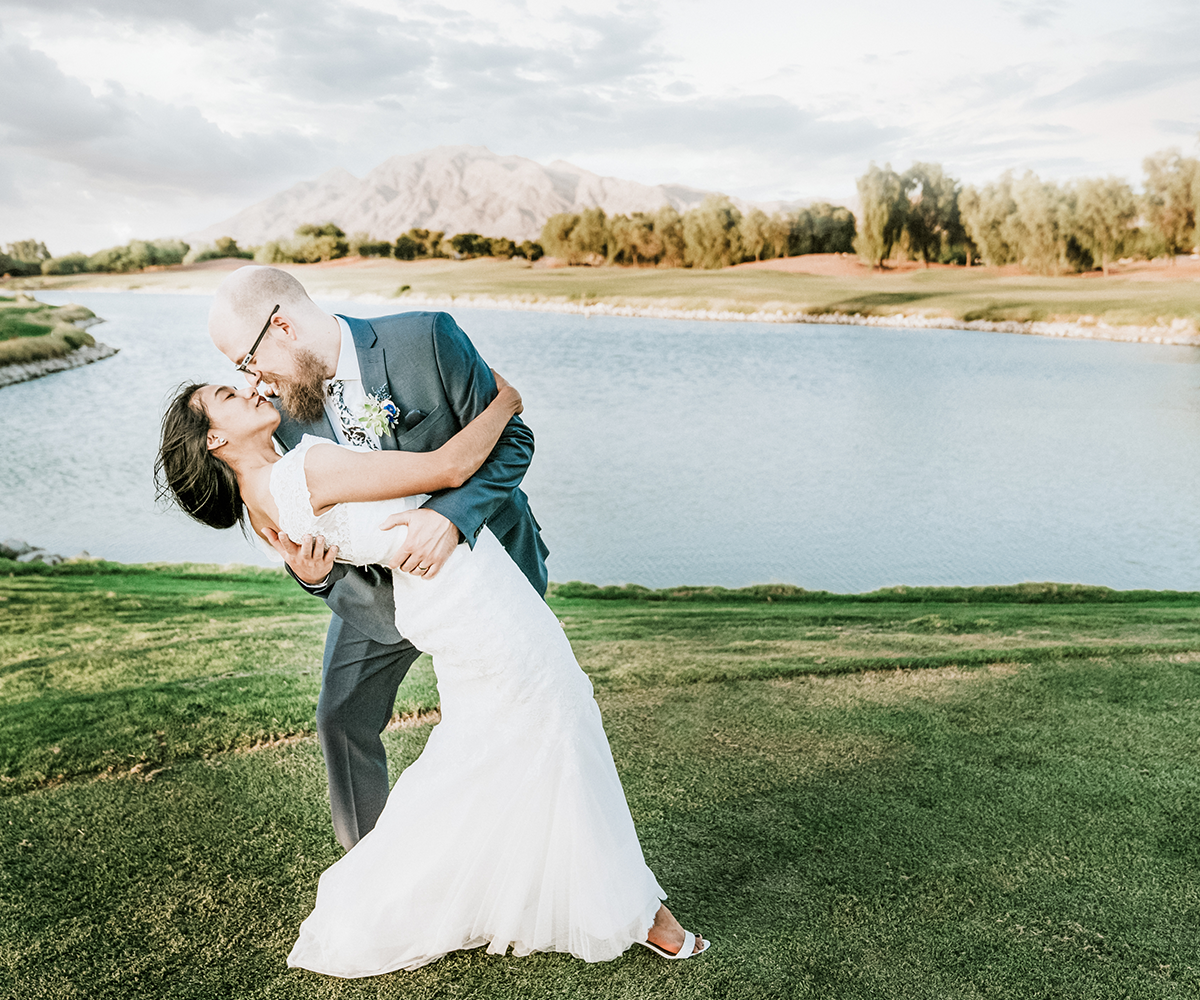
<point x="511" y="829"/>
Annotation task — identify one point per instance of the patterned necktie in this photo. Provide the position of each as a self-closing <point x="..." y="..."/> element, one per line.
<point x="350" y="426"/>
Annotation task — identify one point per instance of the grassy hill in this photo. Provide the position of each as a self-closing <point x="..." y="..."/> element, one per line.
<point x="34" y="331"/>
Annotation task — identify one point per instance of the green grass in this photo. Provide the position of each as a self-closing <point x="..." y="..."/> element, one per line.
<point x="975" y="293"/>
<point x="37" y="332"/>
<point x="939" y="794"/>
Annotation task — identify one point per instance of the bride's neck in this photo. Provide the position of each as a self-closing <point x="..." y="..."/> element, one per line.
<point x="251" y="463"/>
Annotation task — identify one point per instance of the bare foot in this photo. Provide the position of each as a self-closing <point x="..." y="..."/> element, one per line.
<point x="667" y="933"/>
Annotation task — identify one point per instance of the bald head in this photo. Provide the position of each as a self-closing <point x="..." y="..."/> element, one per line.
<point x="245" y="300"/>
<point x="242" y="305"/>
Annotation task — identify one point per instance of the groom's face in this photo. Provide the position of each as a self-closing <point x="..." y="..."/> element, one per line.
<point x="282" y="365"/>
<point x="302" y="389"/>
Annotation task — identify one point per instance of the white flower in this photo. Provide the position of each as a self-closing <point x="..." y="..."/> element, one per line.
<point x="379" y="414"/>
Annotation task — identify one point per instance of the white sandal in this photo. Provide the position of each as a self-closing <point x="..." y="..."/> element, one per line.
<point x="686" y="950"/>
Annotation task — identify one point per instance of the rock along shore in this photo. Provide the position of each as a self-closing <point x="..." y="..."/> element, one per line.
<point x="1180" y="332"/>
<point x="26" y="370"/>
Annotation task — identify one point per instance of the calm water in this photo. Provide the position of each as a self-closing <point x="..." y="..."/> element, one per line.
<point x="673" y="452"/>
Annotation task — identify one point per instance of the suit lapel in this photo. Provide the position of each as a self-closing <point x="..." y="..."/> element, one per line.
<point x="373" y="368"/>
<point x="290" y="430"/>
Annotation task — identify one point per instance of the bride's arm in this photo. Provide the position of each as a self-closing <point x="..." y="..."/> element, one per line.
<point x="340" y="475"/>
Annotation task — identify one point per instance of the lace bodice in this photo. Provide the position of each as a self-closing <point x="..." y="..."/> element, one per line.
<point x="352" y="527"/>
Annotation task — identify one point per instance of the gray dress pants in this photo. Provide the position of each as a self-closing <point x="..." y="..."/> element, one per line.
<point x="358" y="693"/>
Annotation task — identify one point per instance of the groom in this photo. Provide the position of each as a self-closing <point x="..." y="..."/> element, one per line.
<point x="324" y="371"/>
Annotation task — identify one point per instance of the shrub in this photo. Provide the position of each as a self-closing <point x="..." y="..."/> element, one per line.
<point x="407" y="248"/>
<point x="470" y="245"/>
<point x="362" y="245"/>
<point x="221" y="247"/>
<point x="311" y="244"/>
<point x="72" y="263"/>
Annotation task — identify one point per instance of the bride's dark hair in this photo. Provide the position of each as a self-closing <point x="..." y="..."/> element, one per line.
<point x="188" y="473"/>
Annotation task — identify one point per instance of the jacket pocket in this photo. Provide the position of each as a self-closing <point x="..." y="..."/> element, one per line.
<point x="432" y="432"/>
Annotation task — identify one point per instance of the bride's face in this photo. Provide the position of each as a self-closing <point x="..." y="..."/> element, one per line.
<point x="236" y="415"/>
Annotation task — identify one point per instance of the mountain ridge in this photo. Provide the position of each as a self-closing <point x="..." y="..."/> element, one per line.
<point x="450" y="188"/>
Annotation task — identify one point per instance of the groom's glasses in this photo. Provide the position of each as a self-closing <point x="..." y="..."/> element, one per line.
<point x="246" y="361"/>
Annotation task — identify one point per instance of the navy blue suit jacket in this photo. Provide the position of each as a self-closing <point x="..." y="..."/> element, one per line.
<point x="422" y="361"/>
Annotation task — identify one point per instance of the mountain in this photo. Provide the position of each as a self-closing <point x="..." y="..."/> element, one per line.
<point x="456" y="189"/>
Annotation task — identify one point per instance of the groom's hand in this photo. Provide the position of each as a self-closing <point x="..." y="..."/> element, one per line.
<point x="431" y="538"/>
<point x="309" y="559"/>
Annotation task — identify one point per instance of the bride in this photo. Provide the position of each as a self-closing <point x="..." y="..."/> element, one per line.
<point x="511" y="829"/>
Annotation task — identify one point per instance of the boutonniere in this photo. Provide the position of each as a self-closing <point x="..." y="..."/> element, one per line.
<point x="379" y="414"/>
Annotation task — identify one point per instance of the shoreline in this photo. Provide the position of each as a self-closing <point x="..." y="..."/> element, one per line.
<point x="1178" y="333"/>
<point x="25" y="371"/>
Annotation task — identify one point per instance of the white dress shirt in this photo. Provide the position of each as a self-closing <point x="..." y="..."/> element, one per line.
<point x="354" y="394"/>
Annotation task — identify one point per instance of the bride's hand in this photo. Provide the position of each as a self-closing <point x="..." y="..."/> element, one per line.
<point x="505" y="388"/>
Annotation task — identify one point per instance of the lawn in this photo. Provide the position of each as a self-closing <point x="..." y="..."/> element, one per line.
<point x="965" y="294"/>
<point x="33" y="331"/>
<point x="918" y="794"/>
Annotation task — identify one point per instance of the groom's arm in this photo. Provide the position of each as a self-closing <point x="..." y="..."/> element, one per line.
<point x="470" y="387"/>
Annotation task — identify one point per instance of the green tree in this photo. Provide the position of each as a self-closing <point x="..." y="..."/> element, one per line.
<point x="589" y="237"/>
<point x="72" y="263"/>
<point x="668" y="230"/>
<point x="530" y="251"/>
<point x="470" y="245"/>
<point x="407" y="248"/>
<point x="831" y="228"/>
<point x="882" y="201"/>
<point x="1040" y="226"/>
<point x="711" y="234"/>
<point x="419" y="243"/>
<point x="362" y="244"/>
<point x="755" y="234"/>
<point x="985" y="214"/>
<point x="33" y="251"/>
<point x="556" y="234"/>
<point x="111" y="260"/>
<point x="503" y="248"/>
<point x="632" y="240"/>
<point x="1172" y="193"/>
<point x="932" y="216"/>
<point x="312" y="243"/>
<point x="777" y="232"/>
<point x="1105" y="209"/>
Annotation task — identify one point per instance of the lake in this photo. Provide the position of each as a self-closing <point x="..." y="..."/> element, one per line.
<point x="673" y="452"/>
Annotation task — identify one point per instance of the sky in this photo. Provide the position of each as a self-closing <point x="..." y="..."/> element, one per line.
<point x="149" y="118"/>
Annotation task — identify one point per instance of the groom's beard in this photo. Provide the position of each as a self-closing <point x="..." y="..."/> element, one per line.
<point x="303" y="393"/>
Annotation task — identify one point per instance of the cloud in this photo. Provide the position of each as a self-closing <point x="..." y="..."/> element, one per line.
<point x="121" y="139"/>
<point x="208" y="16"/>
<point x="1120" y="80"/>
<point x="1036" y="13"/>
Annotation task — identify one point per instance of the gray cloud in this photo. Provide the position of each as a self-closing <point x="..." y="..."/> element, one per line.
<point x="1176" y="127"/>
<point x="1037" y="13"/>
<point x="122" y="139"/>
<point x="1119" y="80"/>
<point x="208" y="16"/>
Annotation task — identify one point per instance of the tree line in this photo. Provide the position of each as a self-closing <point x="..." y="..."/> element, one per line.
<point x="27" y="257"/>
<point x="715" y="234"/>
<point x="310" y="244"/>
<point x="1047" y="227"/>
<point x="314" y="243"/>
